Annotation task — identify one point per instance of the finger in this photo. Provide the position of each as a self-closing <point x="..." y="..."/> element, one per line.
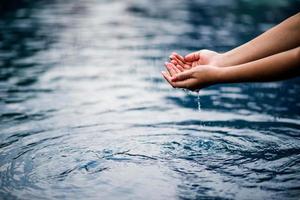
<point x="181" y="69"/>
<point x="167" y="73"/>
<point x="187" y="84"/>
<point x="167" y="76"/>
<point x="178" y="56"/>
<point x="186" y="66"/>
<point x="192" y="57"/>
<point x="174" y="62"/>
<point x="176" y="69"/>
<point x="182" y="76"/>
<point x="170" y="68"/>
<point x="179" y="62"/>
<point x="174" y="54"/>
<point x="171" y="57"/>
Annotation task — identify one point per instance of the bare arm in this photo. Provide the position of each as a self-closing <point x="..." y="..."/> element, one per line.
<point x="273" y="68"/>
<point x="283" y="37"/>
<point x="276" y="67"/>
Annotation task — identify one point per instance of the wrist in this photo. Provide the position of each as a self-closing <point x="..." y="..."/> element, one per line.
<point x="220" y="75"/>
<point x="227" y="74"/>
<point x="222" y="60"/>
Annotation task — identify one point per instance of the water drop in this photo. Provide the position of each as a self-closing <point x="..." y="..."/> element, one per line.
<point x="198" y="101"/>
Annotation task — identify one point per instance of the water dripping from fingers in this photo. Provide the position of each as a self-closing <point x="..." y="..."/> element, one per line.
<point x="198" y="101"/>
<point x="198" y="97"/>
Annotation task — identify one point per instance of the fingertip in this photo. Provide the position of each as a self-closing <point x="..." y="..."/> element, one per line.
<point x="175" y="54"/>
<point x="164" y="75"/>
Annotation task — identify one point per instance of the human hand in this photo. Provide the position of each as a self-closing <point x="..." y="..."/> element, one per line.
<point x="202" y="57"/>
<point x="195" y="78"/>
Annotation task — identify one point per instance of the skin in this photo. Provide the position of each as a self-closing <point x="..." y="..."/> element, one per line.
<point x="265" y="58"/>
<point x="273" y="68"/>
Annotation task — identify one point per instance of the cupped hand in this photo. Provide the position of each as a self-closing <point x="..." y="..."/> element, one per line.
<point x="193" y="79"/>
<point x="202" y="57"/>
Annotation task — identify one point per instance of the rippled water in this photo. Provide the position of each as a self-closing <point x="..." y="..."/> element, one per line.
<point x="86" y="114"/>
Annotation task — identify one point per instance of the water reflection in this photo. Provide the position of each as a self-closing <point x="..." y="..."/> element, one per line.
<point x="85" y="112"/>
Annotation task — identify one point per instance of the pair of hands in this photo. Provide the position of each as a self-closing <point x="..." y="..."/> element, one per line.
<point x="194" y="71"/>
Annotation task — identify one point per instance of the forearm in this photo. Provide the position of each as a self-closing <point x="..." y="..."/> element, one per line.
<point x="276" y="67"/>
<point x="282" y="37"/>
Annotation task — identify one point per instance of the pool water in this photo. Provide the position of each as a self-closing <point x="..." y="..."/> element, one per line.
<point x="85" y="113"/>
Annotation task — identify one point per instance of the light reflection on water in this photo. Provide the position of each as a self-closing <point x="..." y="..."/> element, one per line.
<point x="86" y="114"/>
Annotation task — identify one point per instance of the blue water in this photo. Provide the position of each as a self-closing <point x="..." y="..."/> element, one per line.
<point x="85" y="113"/>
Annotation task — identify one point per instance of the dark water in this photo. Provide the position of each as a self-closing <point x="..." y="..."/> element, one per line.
<point x="85" y="113"/>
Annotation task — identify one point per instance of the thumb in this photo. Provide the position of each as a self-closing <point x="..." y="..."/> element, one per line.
<point x="182" y="76"/>
<point x="192" y="57"/>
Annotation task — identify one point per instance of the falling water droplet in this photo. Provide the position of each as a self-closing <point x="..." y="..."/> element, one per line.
<point x="198" y="97"/>
<point x="198" y="101"/>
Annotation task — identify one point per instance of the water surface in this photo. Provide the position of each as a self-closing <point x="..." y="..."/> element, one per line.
<point x="85" y="113"/>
